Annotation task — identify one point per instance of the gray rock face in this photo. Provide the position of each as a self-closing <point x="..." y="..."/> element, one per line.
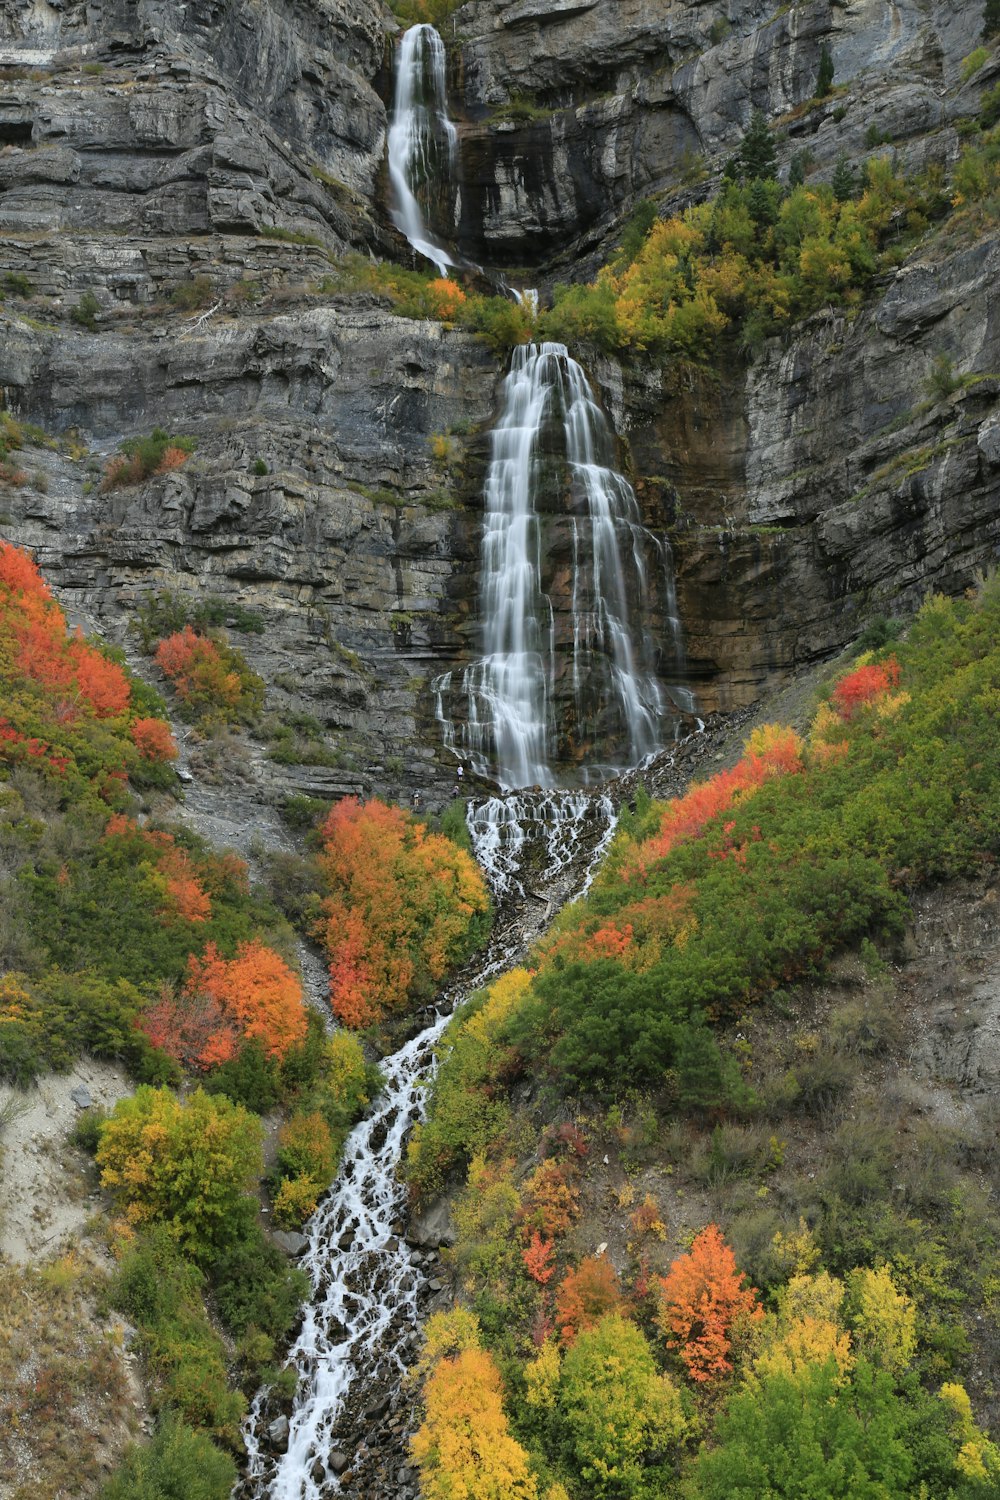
<point x="350" y="547"/>
<point x="637" y="97"/>
<point x="831" y="484"/>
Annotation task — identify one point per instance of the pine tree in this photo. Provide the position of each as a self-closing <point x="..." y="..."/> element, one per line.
<point x="991" y="19"/>
<point x="797" y="169"/>
<point x="843" y="180"/>
<point x="758" y="153"/>
<point x="824" y="78"/>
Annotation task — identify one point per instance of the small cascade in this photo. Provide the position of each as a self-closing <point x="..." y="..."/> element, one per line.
<point x="362" y="1323"/>
<point x="421" y="146"/>
<point x="552" y="684"/>
<point x="558" y="827"/>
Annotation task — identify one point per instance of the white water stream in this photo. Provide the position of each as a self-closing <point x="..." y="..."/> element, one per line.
<point x="363" y="1318"/>
<point x="421" y="145"/>
<point x="553" y="438"/>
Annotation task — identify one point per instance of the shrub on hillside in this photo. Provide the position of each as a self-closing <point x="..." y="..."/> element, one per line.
<point x="211" y="678"/>
<point x="187" y="1166"/>
<point x="178" y="1464"/>
<point x="140" y="457"/>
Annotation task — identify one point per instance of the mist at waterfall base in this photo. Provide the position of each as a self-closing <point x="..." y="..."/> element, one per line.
<point x="578" y="615"/>
<point x="421" y="141"/>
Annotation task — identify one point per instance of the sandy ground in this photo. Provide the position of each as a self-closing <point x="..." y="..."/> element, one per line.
<point x="45" y="1199"/>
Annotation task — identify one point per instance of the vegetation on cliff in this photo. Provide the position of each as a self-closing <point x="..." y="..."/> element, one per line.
<point x="630" y="1023"/>
<point x="135" y="941"/>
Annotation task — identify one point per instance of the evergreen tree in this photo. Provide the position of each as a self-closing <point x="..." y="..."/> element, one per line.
<point x="843" y="180"/>
<point x="797" y="169"/>
<point x="824" y="79"/>
<point x="758" y="153"/>
<point x="991" y="19"/>
<point x="763" y="199"/>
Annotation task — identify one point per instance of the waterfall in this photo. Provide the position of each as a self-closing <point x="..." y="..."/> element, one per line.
<point x="552" y="468"/>
<point x="421" y="137"/>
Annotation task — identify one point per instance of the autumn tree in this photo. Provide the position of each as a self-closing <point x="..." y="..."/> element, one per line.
<point x="586" y="1295"/>
<point x="402" y="907"/>
<point x="884" y="1319"/>
<point x="463" y="1448"/>
<point x="255" y="990"/>
<point x="868" y="682"/>
<point x="617" y="1415"/>
<point x="702" y="1297"/>
<point x="185" y="1165"/>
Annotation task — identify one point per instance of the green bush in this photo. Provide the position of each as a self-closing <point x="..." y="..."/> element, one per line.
<point x="178" y="1464"/>
<point x="85" y="312"/>
<point x="974" y="62"/>
<point x="192" y="294"/>
<point x="255" y="1287"/>
<point x="187" y="1166"/>
<point x="162" y="1294"/>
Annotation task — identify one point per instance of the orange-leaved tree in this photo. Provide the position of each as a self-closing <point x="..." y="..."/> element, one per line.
<point x="402" y="907"/>
<point x="586" y="1295"/>
<point x="153" y="740"/>
<point x="865" y="684"/>
<point x="197" y="670"/>
<point x="192" y="1029"/>
<point x="255" y="990"/>
<point x="702" y="1296"/>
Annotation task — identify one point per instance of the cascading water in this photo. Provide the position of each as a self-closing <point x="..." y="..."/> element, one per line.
<point x="421" y="144"/>
<point x="553" y="454"/>
<point x="364" y="1317"/>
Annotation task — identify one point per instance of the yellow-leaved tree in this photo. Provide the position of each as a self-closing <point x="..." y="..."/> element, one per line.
<point x="187" y="1165"/>
<point x="464" y="1448"/>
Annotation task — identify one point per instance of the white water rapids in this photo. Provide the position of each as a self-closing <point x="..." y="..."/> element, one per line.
<point x="421" y="137"/>
<point x="363" y="1319"/>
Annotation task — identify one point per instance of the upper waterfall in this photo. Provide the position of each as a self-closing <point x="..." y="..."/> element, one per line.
<point x="562" y="523"/>
<point x="421" y="144"/>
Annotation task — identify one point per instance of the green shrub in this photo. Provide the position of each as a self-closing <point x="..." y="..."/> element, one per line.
<point x="192" y="294"/>
<point x="140" y="457"/>
<point x="86" y="1132"/>
<point x="162" y="1294"/>
<point x="255" y="1287"/>
<point x="974" y="62"/>
<point x="178" y="1464"/>
<point x="989" y="107"/>
<point x="824" y="77"/>
<point x="85" y="312"/>
<point x="187" y="1166"/>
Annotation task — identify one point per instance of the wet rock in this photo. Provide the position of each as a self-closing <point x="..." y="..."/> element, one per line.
<point x="277" y="1432"/>
<point x="338" y="1461"/>
<point x="290" y="1241"/>
<point x="376" y="1409"/>
<point x="431" y="1228"/>
<point x="318" y="1471"/>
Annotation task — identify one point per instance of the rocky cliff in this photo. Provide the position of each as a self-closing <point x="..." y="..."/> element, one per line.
<point x="232" y="149"/>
